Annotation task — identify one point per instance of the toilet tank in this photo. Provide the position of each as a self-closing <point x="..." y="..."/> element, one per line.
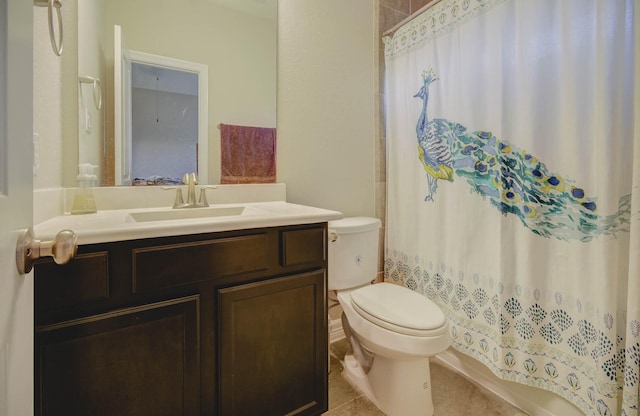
<point x="353" y="252"/>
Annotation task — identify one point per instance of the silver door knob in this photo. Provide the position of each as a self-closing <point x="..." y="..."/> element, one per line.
<point x="62" y="248"/>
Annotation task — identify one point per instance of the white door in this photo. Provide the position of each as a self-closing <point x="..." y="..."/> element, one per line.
<point x="16" y="206"/>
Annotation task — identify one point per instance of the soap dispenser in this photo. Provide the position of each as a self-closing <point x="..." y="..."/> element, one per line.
<point x="83" y="201"/>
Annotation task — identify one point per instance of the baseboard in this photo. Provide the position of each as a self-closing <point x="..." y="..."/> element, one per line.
<point x="335" y="330"/>
<point x="529" y="399"/>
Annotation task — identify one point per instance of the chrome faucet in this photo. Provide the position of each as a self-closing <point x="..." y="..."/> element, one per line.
<point x="191" y="181"/>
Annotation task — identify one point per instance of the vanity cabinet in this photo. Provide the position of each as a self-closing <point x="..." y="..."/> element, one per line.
<point x="227" y="323"/>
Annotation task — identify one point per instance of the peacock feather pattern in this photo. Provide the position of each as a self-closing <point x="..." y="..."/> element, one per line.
<point x="514" y="181"/>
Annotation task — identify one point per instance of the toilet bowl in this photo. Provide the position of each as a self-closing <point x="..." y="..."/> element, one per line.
<point x="393" y="330"/>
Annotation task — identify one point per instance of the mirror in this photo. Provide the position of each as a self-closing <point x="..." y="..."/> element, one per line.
<point x="165" y="114"/>
<point x="160" y="117"/>
<point x="235" y="39"/>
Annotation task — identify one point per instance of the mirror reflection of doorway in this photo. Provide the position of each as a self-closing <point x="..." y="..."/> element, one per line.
<point x="164" y="124"/>
<point x="156" y="78"/>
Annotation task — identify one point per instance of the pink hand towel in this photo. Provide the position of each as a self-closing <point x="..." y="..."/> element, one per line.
<point x="247" y="154"/>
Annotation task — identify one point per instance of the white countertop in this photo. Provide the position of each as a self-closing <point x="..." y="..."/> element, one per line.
<point x="117" y="225"/>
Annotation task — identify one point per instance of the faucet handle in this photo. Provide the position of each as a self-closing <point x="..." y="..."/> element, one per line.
<point x="178" y="202"/>
<point x="190" y="179"/>
<point x="203" y="195"/>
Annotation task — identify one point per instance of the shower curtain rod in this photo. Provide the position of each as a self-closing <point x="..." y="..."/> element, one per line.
<point x="411" y="17"/>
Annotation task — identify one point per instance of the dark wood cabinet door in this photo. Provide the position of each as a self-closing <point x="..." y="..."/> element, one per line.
<point x="272" y="345"/>
<point x="136" y="361"/>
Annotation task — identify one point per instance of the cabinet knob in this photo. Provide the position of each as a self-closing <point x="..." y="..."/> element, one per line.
<point x="62" y="248"/>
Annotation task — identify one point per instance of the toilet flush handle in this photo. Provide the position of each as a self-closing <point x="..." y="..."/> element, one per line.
<point x="333" y="236"/>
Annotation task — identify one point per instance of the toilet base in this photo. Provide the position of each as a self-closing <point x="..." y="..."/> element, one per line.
<point x="355" y="375"/>
<point x="396" y="387"/>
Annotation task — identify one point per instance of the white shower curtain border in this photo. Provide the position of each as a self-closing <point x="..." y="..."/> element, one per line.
<point x="498" y="347"/>
<point x="530" y="349"/>
<point x="439" y="19"/>
<point x="568" y="299"/>
<point x="532" y="381"/>
<point x="509" y="344"/>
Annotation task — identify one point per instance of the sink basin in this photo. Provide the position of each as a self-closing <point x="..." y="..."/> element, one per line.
<point x="186" y="213"/>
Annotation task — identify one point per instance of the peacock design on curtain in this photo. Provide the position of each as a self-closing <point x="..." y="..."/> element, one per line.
<point x="515" y="181"/>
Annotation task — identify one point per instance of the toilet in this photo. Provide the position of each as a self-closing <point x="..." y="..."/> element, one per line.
<point x="392" y="330"/>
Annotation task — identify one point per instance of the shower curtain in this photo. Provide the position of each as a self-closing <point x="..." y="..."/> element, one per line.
<point x="513" y="146"/>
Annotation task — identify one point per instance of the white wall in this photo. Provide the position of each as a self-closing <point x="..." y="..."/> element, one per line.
<point x="55" y="117"/>
<point x="91" y="62"/>
<point x="326" y="115"/>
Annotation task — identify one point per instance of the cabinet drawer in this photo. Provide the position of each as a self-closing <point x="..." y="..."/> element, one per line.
<point x="303" y="246"/>
<point x="178" y="264"/>
<point x="83" y="280"/>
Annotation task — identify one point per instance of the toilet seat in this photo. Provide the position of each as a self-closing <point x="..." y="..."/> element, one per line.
<point x="399" y="309"/>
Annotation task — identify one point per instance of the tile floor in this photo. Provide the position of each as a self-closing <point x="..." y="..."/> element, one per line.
<point x="453" y="394"/>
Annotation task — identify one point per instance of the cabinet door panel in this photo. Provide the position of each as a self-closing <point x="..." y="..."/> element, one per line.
<point x="136" y="361"/>
<point x="273" y="347"/>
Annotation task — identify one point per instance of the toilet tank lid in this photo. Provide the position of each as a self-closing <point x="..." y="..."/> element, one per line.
<point x="354" y="225"/>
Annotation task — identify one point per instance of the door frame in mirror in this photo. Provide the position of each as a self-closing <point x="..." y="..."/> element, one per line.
<point x="122" y="113"/>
